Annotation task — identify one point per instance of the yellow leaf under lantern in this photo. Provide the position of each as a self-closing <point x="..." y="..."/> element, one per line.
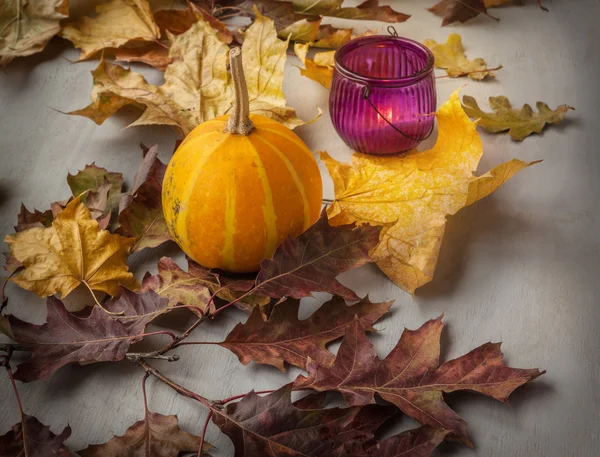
<point x="73" y="251"/>
<point x="451" y="57"/>
<point x="319" y="69"/>
<point x="416" y="192"/>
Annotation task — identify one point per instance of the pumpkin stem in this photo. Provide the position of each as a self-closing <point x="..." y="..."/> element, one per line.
<point x="239" y="122"/>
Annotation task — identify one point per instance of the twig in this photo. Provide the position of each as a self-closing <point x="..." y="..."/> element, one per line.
<point x="173" y="385"/>
<point x="206" y="422"/>
<point x="135" y="356"/>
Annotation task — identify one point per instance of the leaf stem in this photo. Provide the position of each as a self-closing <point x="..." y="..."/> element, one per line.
<point x="17" y="396"/>
<point x="140" y="355"/>
<point x="237" y="397"/>
<point x="206" y="422"/>
<point x="98" y="303"/>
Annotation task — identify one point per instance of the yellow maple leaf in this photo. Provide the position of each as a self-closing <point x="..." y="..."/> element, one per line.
<point x="451" y="57"/>
<point x="320" y="68"/>
<point x="116" y="23"/>
<point x="416" y="192"/>
<point x="197" y="85"/>
<point x="26" y="27"/>
<point x="73" y="251"/>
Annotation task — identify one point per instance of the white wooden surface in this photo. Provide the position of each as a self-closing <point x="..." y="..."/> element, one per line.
<point x="521" y="266"/>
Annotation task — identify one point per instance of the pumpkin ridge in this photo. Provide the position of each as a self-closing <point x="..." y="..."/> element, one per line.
<point x="295" y="178"/>
<point x="268" y="206"/>
<point x="228" y="247"/>
<point x="293" y="138"/>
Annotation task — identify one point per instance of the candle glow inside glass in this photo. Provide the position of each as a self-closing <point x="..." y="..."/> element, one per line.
<point x="383" y="97"/>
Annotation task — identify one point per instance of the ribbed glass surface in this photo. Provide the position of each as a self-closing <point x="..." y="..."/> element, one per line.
<point x="400" y="84"/>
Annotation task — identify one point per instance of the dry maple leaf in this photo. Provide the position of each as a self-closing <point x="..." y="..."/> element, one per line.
<point x="320" y="68"/>
<point x="31" y="438"/>
<point x="411" y="377"/>
<point x="156" y="435"/>
<point x="284" y="338"/>
<point x="451" y="57"/>
<point x="310" y="262"/>
<point x="116" y="23"/>
<point x="368" y="10"/>
<point x="520" y="123"/>
<point x="72" y="251"/>
<point x="66" y="338"/>
<point x="195" y="287"/>
<point x="197" y="85"/>
<point x="141" y="215"/>
<point x="27" y="26"/>
<point x="415" y="192"/>
<point x="458" y="10"/>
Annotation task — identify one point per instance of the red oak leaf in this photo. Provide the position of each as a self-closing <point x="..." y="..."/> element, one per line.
<point x="66" y="338"/>
<point x="310" y="262"/>
<point x="137" y="310"/>
<point x="31" y="438"/>
<point x="458" y="10"/>
<point x="284" y="338"/>
<point x="410" y="376"/>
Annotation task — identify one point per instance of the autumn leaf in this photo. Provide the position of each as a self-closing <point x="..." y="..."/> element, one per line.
<point x="141" y="215"/>
<point x="151" y="54"/>
<point x="27" y="219"/>
<point x="156" y="435"/>
<point x="368" y="10"/>
<point x="458" y="10"/>
<point x="72" y="251"/>
<point x="195" y="287"/>
<point x="411" y="378"/>
<point x="419" y="442"/>
<point x="31" y="438"/>
<point x="116" y="23"/>
<point x="197" y="85"/>
<point x="178" y="21"/>
<point x="136" y="310"/>
<point x="66" y="338"/>
<point x="451" y="57"/>
<point x="520" y="123"/>
<point x="416" y="192"/>
<point x="310" y="262"/>
<point x="284" y="338"/>
<point x="331" y="37"/>
<point x="27" y="26"/>
<point x="91" y="178"/>
<point x="320" y="68"/>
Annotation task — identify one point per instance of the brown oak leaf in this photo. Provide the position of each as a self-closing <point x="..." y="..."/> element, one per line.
<point x="141" y="215"/>
<point x="411" y="378"/>
<point x="137" y="310"/>
<point x="66" y="338"/>
<point x="27" y="219"/>
<point x="310" y="262"/>
<point x="31" y="438"/>
<point x="285" y="338"/>
<point x="156" y="435"/>
<point x="458" y="10"/>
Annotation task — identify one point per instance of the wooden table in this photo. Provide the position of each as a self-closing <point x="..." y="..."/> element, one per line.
<point x="522" y="266"/>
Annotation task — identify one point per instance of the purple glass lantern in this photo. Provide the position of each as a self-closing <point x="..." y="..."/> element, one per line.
<point x="383" y="98"/>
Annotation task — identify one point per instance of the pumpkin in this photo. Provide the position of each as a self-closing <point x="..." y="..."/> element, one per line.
<point x="238" y="185"/>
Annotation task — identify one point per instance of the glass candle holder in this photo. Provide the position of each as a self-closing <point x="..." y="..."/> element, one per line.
<point x="383" y="98"/>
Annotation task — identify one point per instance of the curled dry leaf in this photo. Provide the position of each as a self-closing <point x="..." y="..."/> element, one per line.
<point x="320" y="68"/>
<point x="310" y="262"/>
<point x="197" y="85"/>
<point x="74" y="250"/>
<point x="141" y="215"/>
<point x="156" y="435"/>
<point x="458" y="10"/>
<point x="415" y="192"/>
<point x="31" y="438"/>
<point x="152" y="54"/>
<point x="451" y="57"/>
<point x="66" y="338"/>
<point x="284" y="338"/>
<point x="411" y="378"/>
<point x="27" y="26"/>
<point x="520" y="123"/>
<point x="91" y="178"/>
<point x="116" y="23"/>
<point x="368" y="10"/>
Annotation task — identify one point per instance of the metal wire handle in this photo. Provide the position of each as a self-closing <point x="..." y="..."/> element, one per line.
<point x="366" y="92"/>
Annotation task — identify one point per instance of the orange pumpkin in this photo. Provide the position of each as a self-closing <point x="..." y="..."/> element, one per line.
<point x="238" y="185"/>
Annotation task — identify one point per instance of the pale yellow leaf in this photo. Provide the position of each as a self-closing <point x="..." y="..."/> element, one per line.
<point x="320" y="68"/>
<point x="74" y="250"/>
<point x="416" y="192"/>
<point x="27" y="26"/>
<point x="451" y="57"/>
<point x="116" y="23"/>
